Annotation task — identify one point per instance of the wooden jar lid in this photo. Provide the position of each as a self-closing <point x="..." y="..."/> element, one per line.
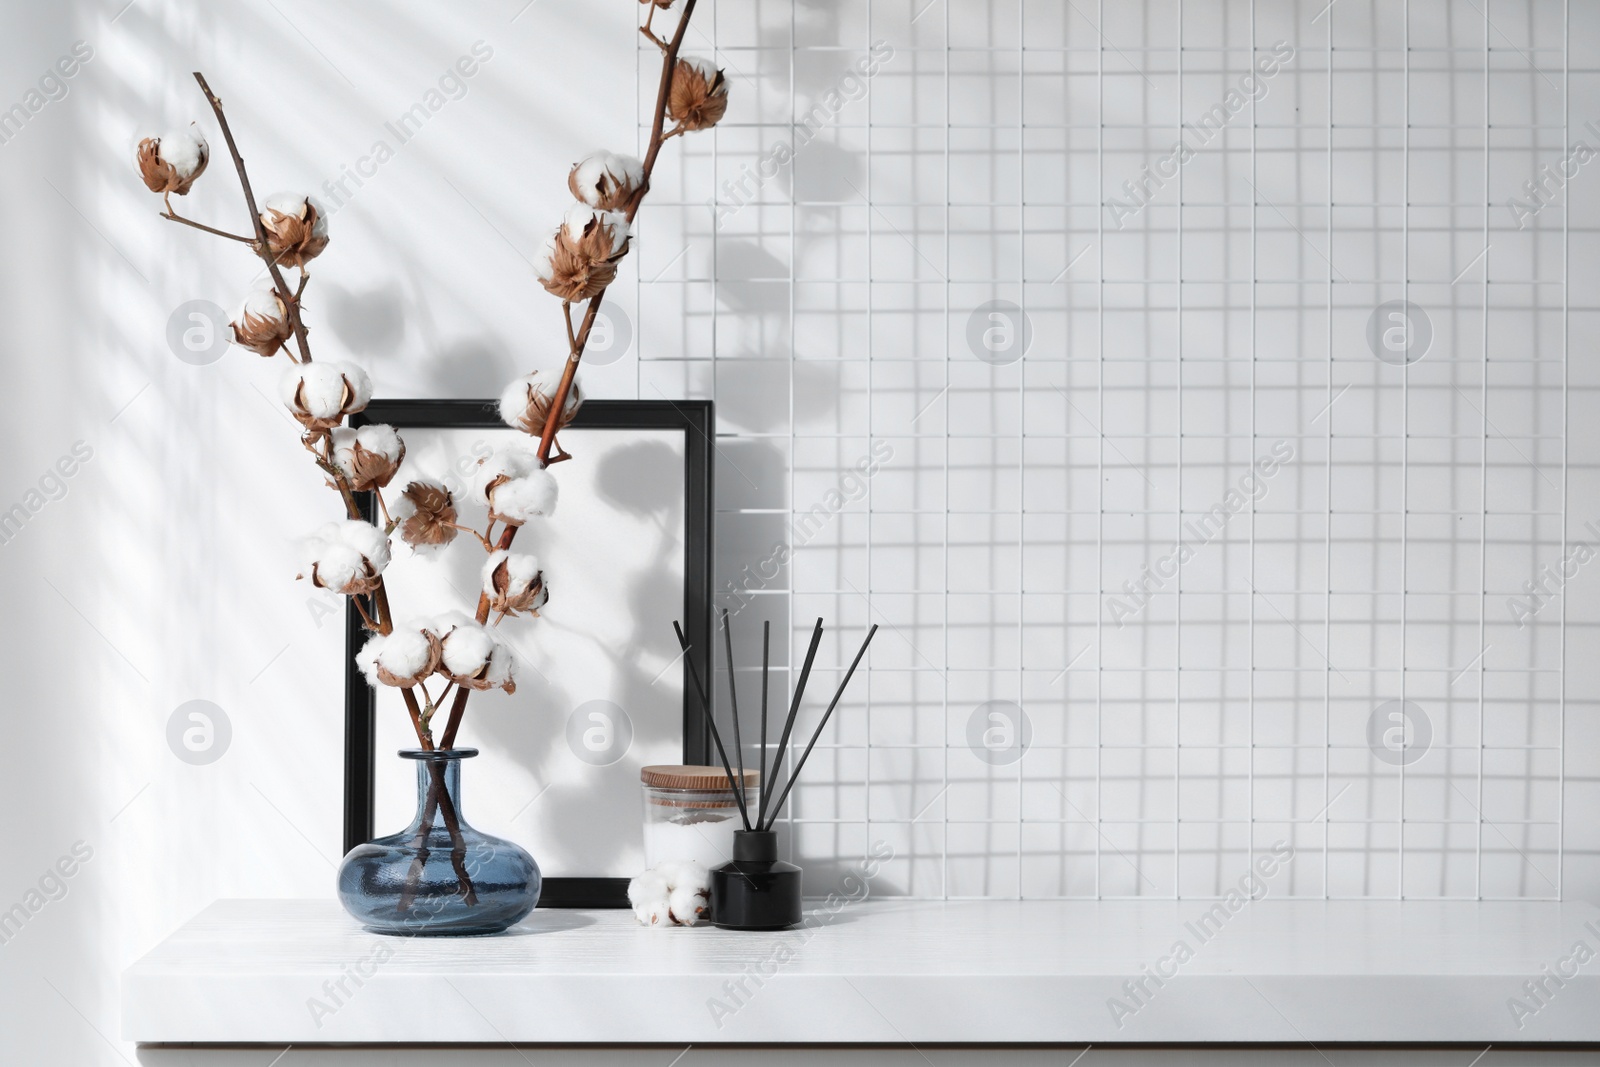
<point x="680" y="776"/>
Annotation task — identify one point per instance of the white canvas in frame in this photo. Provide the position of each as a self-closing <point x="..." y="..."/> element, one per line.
<point x="565" y="789"/>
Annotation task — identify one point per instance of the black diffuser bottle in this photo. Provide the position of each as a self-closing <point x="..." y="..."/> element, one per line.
<point x="756" y="890"/>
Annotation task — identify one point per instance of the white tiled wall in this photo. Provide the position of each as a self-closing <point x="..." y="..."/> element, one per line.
<point x="1250" y="696"/>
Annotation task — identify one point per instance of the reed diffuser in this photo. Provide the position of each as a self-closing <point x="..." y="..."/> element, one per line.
<point x="757" y="890"/>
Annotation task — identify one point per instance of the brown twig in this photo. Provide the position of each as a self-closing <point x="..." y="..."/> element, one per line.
<point x="173" y="216"/>
<point x="424" y="735"/>
<point x="438" y="798"/>
<point x="669" y="61"/>
<point x="362" y="611"/>
<point x="289" y="299"/>
<point x="488" y="546"/>
<point x="457" y="708"/>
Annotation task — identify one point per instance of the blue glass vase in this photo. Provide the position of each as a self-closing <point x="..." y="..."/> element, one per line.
<point x="438" y="876"/>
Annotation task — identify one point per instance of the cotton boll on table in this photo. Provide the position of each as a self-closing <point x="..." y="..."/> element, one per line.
<point x="675" y="893"/>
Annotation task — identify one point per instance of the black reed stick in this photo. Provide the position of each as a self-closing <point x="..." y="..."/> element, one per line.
<point x="710" y="720"/>
<point x="733" y="699"/>
<point x="761" y="759"/>
<point x="799" y="766"/>
<point x="794" y="709"/>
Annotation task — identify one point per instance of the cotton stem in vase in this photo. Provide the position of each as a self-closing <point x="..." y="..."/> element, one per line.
<point x="346" y="556"/>
<point x="579" y="261"/>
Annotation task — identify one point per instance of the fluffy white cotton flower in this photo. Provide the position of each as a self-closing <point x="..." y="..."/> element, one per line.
<point x="320" y="395"/>
<point x="674" y="891"/>
<point x="525" y="404"/>
<point x="370" y="456"/>
<point x="402" y="658"/>
<point x="171" y="163"/>
<point x="262" y="322"/>
<point x="185" y="149"/>
<point x="606" y="180"/>
<point x="687" y="904"/>
<point x="441" y="625"/>
<point x="521" y="569"/>
<point x="514" y="583"/>
<point x="297" y="228"/>
<point x="650" y="897"/>
<point x="263" y="303"/>
<point x="513" y="486"/>
<point x="690" y="890"/>
<point x="346" y="557"/>
<point x="473" y="656"/>
<point x="612" y="226"/>
<point x="300" y="206"/>
<point x="467" y="649"/>
<point x="503" y="463"/>
<point x="517" y="500"/>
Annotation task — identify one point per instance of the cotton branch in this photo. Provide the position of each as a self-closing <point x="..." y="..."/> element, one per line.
<point x="658" y="137"/>
<point x="291" y="300"/>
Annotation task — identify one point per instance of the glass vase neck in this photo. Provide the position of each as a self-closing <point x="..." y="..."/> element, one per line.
<point x="436" y="769"/>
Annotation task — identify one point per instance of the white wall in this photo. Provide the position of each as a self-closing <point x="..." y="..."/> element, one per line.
<point x="829" y="315"/>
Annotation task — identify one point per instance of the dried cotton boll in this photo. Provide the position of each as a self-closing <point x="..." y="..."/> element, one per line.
<point x="425" y="512"/>
<point x="401" y="659"/>
<point x="502" y="672"/>
<point x="699" y="95"/>
<point x="516" y="500"/>
<point x="603" y="234"/>
<point x="649" y="895"/>
<point x="369" y="457"/>
<point x="690" y="889"/>
<point x="514" y="583"/>
<point x="171" y="163"/>
<point x="320" y="395"/>
<point x="502" y="465"/>
<point x="525" y="404"/>
<point x="346" y="557"/>
<point x="565" y="271"/>
<point x="580" y="259"/>
<point x="297" y="228"/>
<point x="441" y="626"/>
<point x="262" y="323"/>
<point x="474" y="658"/>
<point x="367" y="658"/>
<point x="687" y="904"/>
<point x="606" y="180"/>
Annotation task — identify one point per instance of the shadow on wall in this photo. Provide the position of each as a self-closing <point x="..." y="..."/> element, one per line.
<point x="371" y="323"/>
<point x="642" y="480"/>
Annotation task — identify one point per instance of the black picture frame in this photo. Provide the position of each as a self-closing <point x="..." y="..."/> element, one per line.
<point x="696" y="419"/>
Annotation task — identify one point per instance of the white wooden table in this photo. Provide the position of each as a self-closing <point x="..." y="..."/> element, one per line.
<point x="300" y="972"/>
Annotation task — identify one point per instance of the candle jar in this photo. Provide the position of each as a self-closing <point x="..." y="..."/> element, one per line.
<point x="691" y="813"/>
